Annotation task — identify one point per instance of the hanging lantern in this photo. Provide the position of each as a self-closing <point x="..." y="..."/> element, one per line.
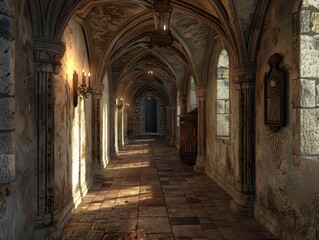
<point x="162" y="35"/>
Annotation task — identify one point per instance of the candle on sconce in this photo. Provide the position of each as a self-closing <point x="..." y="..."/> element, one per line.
<point x="83" y="77"/>
<point x="89" y="79"/>
<point x="84" y="84"/>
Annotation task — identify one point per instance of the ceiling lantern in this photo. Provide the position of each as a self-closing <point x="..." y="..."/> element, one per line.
<point x="162" y="35"/>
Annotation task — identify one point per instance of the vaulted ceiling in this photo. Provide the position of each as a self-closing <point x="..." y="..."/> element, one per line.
<point x="119" y="34"/>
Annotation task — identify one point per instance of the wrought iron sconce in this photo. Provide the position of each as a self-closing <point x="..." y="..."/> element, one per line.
<point x="162" y="35"/>
<point x="119" y="105"/>
<point x="83" y="90"/>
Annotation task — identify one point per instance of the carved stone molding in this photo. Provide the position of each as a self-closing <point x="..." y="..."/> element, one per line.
<point x="98" y="89"/>
<point x="201" y="92"/>
<point x="244" y="76"/>
<point x="243" y="73"/>
<point x="47" y="54"/>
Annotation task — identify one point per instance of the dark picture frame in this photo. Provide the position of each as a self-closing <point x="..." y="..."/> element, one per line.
<point x="274" y="94"/>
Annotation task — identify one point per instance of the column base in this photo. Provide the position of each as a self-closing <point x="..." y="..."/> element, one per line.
<point x="113" y="155"/>
<point x="244" y="207"/>
<point x="99" y="173"/>
<point x="200" y="164"/>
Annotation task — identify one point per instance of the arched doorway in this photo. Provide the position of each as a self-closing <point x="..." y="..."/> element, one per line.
<point x="149" y="116"/>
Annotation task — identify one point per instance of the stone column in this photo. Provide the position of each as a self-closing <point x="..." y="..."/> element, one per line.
<point x="173" y="125"/>
<point x="112" y="114"/>
<point x="125" y="125"/>
<point x="244" y="78"/>
<point x="118" y="125"/>
<point x="201" y="129"/>
<point x="47" y="55"/>
<point x="98" y="165"/>
<point x="182" y="104"/>
<point x="168" y="122"/>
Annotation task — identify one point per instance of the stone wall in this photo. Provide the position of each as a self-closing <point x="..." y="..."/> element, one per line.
<point x="220" y="151"/>
<point x="287" y="163"/>
<point x="135" y="113"/>
<point x="17" y="122"/>
<point x="72" y="126"/>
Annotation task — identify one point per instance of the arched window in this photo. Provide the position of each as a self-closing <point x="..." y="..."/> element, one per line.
<point x="222" y="100"/>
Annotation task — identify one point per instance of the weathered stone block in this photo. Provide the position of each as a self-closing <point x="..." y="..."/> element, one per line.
<point x="317" y="93"/>
<point x="5" y="23"/>
<point x="310" y="3"/>
<point x="315" y="22"/>
<point x="309" y="57"/>
<point x="308" y="93"/>
<point x="7" y="142"/>
<point x="7" y="168"/>
<point x="309" y="132"/>
<point x="305" y="21"/>
<point x="221" y="108"/>
<point x="7" y="113"/>
<point x="227" y="106"/>
<point x="223" y="73"/>
<point x="222" y="89"/>
<point x="5" y="8"/>
<point x="5" y="72"/>
<point x="222" y="124"/>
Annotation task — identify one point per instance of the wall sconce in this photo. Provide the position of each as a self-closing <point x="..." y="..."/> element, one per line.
<point x="82" y="90"/>
<point x="119" y="105"/>
<point x="162" y="35"/>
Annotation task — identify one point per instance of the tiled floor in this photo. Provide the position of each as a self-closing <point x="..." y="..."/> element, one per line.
<point x="150" y="194"/>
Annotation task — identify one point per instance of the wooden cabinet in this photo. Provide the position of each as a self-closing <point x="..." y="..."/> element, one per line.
<point x="188" y="137"/>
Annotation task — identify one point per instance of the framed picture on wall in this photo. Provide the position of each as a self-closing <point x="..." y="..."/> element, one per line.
<point x="274" y="94"/>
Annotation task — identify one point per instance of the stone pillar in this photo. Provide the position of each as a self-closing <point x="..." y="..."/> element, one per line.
<point x="173" y="125"/>
<point x="47" y="55"/>
<point x="112" y="114"/>
<point x="244" y="78"/>
<point x="125" y="125"/>
<point x="201" y="129"/>
<point x="182" y="104"/>
<point x="98" y="165"/>
<point x="168" y="121"/>
<point x="118" y="124"/>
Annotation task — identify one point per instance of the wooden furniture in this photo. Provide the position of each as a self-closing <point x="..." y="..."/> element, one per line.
<point x="188" y="137"/>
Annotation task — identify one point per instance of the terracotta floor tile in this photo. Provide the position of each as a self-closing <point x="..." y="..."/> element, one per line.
<point x="193" y="231"/>
<point x="154" y="225"/>
<point x="149" y="193"/>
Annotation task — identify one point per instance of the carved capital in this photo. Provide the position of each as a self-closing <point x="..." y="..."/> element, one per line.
<point x="98" y="89"/>
<point x="244" y="73"/>
<point x="201" y="92"/>
<point x="47" y="54"/>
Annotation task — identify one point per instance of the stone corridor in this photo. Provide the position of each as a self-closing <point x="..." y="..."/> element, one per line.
<point x="150" y="194"/>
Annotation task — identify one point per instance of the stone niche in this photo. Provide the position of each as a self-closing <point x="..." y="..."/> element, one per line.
<point x="135" y="128"/>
